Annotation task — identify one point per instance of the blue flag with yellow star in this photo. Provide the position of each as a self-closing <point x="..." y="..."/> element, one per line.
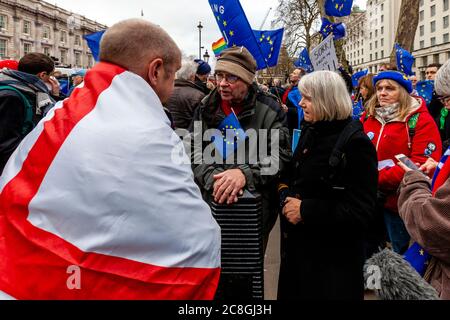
<point x="358" y="109"/>
<point x="425" y="90"/>
<point x="337" y="29"/>
<point x="357" y="76"/>
<point x="270" y="44"/>
<point x="93" y="41"/>
<point x="236" y="29"/>
<point x="418" y="258"/>
<point x="304" y="61"/>
<point x="338" y="8"/>
<point x="405" y="60"/>
<point x="232" y="135"/>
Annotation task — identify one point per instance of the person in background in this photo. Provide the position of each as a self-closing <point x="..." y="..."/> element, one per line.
<point x="328" y="208"/>
<point x="397" y="123"/>
<point x="201" y="78"/>
<point x="186" y="96"/>
<point x="24" y="100"/>
<point x="366" y="89"/>
<point x="414" y="84"/>
<point x="443" y="94"/>
<point x="387" y="67"/>
<point x="77" y="79"/>
<point x="436" y="105"/>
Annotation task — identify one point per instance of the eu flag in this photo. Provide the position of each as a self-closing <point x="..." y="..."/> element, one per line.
<point x="235" y="28"/>
<point x="405" y="60"/>
<point x="425" y="89"/>
<point x="93" y="41"/>
<point x="270" y="44"/>
<point x="338" y="8"/>
<point x="359" y="75"/>
<point x="232" y="135"/>
<point x="337" y="29"/>
<point x="304" y="61"/>
<point x="358" y="109"/>
<point x="418" y="258"/>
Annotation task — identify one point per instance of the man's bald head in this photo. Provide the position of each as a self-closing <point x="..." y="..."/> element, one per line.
<point x="133" y="43"/>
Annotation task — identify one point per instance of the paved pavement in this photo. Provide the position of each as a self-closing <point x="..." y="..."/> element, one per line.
<point x="272" y="264"/>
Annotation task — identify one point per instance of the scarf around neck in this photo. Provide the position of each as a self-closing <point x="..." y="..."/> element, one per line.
<point x="387" y="113"/>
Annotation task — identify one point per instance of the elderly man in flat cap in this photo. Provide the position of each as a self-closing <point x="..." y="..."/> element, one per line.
<point x="238" y="94"/>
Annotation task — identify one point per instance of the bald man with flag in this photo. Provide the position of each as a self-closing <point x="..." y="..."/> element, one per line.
<point x="94" y="204"/>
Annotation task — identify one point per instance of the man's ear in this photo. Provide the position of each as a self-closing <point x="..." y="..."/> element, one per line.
<point x="155" y="71"/>
<point x="41" y="75"/>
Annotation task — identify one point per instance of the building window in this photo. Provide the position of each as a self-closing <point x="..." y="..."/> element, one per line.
<point x="77" y="59"/>
<point x="3" y="45"/>
<point x="46" y="32"/>
<point x="433" y="26"/>
<point x="433" y="41"/>
<point x="422" y="31"/>
<point x="445" y="22"/>
<point x="63" y="56"/>
<point x="90" y="63"/>
<point x="3" y="21"/>
<point x="77" y="40"/>
<point x="422" y="44"/>
<point x="433" y="10"/>
<point x="421" y="15"/>
<point x="26" y="48"/>
<point x="47" y="51"/>
<point x="435" y="58"/>
<point x="63" y="36"/>
<point x="446" y="5"/>
<point x="27" y="27"/>
<point x="445" y="38"/>
<point x="382" y="42"/>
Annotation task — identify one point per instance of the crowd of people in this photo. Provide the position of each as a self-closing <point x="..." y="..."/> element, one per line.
<point x="339" y="190"/>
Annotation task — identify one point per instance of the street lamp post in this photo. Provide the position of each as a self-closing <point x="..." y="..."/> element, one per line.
<point x="200" y="27"/>
<point x="206" y="56"/>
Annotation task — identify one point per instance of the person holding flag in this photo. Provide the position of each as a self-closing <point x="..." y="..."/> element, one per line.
<point x="93" y="206"/>
<point x="235" y="107"/>
<point x="423" y="205"/>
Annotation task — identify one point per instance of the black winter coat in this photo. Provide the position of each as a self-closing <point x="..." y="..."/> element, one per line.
<point x="323" y="256"/>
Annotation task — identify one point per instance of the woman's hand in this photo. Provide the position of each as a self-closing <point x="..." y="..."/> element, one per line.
<point x="291" y="210"/>
<point x="429" y="167"/>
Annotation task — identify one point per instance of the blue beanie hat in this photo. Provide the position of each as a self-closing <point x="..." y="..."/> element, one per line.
<point x="396" y="76"/>
<point x="203" y="67"/>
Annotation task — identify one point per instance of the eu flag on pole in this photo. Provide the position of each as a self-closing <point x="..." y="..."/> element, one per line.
<point x="270" y="44"/>
<point x="425" y="89"/>
<point x="235" y="28"/>
<point x="232" y="135"/>
<point x="359" y="75"/>
<point x="93" y="41"/>
<point x="338" y="8"/>
<point x="405" y="60"/>
<point x="337" y="29"/>
<point x="304" y="61"/>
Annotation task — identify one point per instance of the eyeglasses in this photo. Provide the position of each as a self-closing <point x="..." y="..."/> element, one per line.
<point x="229" y="78"/>
<point x="444" y="100"/>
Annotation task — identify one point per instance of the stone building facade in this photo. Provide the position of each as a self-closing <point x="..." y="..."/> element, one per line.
<point x="38" y="26"/>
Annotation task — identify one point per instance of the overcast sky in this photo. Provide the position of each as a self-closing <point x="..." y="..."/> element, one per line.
<point x="178" y="17"/>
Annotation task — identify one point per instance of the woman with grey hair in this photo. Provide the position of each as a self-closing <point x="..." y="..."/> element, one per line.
<point x="424" y="205"/>
<point x="442" y="88"/>
<point x="331" y="195"/>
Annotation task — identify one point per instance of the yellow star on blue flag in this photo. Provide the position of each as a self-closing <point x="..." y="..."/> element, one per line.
<point x="405" y="60"/>
<point x="338" y="8"/>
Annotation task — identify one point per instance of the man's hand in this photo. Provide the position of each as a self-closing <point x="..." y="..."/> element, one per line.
<point x="228" y="186"/>
<point x="55" y="86"/>
<point x="291" y="210"/>
<point x="284" y="108"/>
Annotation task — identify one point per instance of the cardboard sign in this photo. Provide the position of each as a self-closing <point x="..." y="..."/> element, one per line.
<point x="323" y="57"/>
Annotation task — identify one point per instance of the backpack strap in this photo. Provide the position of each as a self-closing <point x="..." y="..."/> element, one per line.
<point x="28" y="123"/>
<point x="337" y="158"/>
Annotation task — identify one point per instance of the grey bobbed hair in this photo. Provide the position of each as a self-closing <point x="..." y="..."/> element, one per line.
<point x="442" y="83"/>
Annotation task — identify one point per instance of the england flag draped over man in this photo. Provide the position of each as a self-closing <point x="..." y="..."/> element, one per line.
<point x="92" y="205"/>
